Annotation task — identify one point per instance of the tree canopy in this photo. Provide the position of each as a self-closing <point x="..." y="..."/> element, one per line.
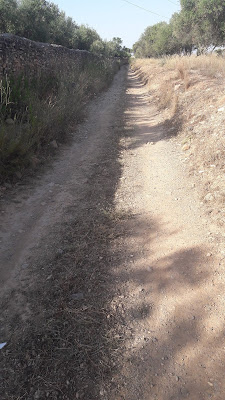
<point x="43" y="21"/>
<point x="200" y="24"/>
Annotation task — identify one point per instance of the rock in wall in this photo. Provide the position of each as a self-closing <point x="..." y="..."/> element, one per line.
<point x="23" y="56"/>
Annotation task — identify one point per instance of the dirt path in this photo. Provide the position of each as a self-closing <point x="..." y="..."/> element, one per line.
<point x="31" y="214"/>
<point x="107" y="262"/>
<point x="55" y="265"/>
<point x="173" y="277"/>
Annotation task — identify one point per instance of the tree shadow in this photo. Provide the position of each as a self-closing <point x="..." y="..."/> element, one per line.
<point x="103" y="323"/>
<point x="66" y="342"/>
<point x="149" y="121"/>
<point x="175" y="349"/>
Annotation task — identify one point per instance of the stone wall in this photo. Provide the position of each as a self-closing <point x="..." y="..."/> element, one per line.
<point x="22" y="56"/>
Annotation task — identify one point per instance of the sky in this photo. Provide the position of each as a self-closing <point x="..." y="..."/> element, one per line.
<point x="117" y="18"/>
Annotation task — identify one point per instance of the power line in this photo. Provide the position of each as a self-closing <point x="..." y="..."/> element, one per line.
<point x="145" y="9"/>
<point x="173" y="2"/>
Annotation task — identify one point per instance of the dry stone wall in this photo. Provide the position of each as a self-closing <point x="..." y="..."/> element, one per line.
<point x="22" y="56"/>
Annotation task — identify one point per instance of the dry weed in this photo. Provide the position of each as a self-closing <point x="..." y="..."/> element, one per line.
<point x="166" y="91"/>
<point x="175" y="105"/>
<point x="210" y="65"/>
<point x="183" y="74"/>
<point x="197" y="115"/>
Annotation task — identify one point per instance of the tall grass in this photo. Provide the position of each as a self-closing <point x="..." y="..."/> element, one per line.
<point x="210" y="65"/>
<point x="35" y="111"/>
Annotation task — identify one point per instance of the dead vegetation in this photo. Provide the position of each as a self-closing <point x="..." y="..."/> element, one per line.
<point x="66" y="346"/>
<point x="189" y="92"/>
<point x="37" y="114"/>
<point x="64" y="337"/>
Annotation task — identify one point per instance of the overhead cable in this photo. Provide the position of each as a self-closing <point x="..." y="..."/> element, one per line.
<point x="145" y="9"/>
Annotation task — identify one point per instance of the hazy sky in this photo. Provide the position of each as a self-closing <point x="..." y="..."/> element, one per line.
<point x="118" y="18"/>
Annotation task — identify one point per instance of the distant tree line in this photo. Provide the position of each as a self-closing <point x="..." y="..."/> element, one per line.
<point x="199" y="25"/>
<point x="42" y="21"/>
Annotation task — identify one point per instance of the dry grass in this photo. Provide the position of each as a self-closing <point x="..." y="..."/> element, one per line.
<point x="212" y="65"/>
<point x="70" y="342"/>
<point x="43" y="109"/>
<point x="167" y="94"/>
<point x="189" y="92"/>
<point x="183" y="74"/>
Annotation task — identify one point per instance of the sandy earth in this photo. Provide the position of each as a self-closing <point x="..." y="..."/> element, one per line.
<point x="174" y="279"/>
<point x="169" y="268"/>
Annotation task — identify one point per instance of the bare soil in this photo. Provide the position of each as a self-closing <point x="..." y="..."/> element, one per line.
<point x="112" y="274"/>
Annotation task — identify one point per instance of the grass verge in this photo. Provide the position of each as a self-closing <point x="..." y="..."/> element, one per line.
<point x="189" y="92"/>
<point x="34" y="112"/>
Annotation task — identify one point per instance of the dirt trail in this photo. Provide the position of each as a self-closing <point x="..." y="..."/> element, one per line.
<point x="173" y="277"/>
<point x="32" y="213"/>
<point x="140" y="221"/>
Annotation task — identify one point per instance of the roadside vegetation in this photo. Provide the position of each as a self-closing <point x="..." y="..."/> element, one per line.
<point x="183" y="64"/>
<point x="43" y="21"/>
<point x="200" y="26"/>
<point x="189" y="92"/>
<point x="36" y="113"/>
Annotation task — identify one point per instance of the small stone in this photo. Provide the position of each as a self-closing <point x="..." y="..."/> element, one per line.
<point x="177" y="378"/>
<point x="37" y="395"/>
<point x="208" y="254"/>
<point x="34" y="161"/>
<point x="155" y="340"/>
<point x="54" y="144"/>
<point x="210" y="384"/>
<point x="221" y="109"/>
<point x="209" y="197"/>
<point x="9" y="121"/>
<point x="60" y="252"/>
<point x="18" y="174"/>
<point x="186" y="147"/>
<point x="77" y="296"/>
